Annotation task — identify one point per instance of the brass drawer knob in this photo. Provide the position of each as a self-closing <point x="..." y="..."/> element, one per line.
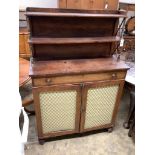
<point x="48" y="80"/>
<point x="114" y="76"/>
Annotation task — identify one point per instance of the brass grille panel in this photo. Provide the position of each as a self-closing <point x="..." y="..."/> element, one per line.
<point x="100" y="105"/>
<point x="58" y="110"/>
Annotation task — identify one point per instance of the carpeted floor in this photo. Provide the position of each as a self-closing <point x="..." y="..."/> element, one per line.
<point x="103" y="143"/>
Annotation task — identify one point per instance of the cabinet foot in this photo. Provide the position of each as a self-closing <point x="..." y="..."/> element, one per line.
<point x="110" y="130"/>
<point x="126" y="125"/>
<point x="41" y="142"/>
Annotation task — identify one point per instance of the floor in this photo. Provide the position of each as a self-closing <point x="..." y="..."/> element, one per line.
<point x="103" y="143"/>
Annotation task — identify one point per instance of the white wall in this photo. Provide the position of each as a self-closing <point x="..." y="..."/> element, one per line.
<point x="38" y="3"/>
<point x="127" y="1"/>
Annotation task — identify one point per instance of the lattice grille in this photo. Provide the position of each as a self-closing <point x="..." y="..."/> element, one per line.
<point x="100" y="105"/>
<point x="58" y="110"/>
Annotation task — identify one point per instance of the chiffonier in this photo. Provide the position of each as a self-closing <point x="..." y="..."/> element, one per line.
<point x="77" y="83"/>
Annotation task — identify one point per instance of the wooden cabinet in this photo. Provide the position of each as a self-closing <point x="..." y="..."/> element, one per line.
<point x="88" y="101"/>
<point x="89" y="4"/>
<point x="24" y="49"/>
<point x="77" y="84"/>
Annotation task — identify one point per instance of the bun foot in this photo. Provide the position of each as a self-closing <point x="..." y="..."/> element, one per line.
<point x="41" y="142"/>
<point x="110" y="130"/>
<point x="126" y="125"/>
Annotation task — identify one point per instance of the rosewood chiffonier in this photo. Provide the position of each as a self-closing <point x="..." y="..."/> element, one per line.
<point x="77" y="84"/>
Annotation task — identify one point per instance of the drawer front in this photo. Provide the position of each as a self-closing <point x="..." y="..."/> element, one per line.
<point x="79" y="78"/>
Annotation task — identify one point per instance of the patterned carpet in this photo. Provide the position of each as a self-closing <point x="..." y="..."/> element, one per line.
<point x="101" y="143"/>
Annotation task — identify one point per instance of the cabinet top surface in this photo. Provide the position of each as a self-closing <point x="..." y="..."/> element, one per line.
<point x="71" y="67"/>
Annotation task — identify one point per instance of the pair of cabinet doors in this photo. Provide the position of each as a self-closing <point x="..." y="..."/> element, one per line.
<point x="75" y="108"/>
<point x="89" y="4"/>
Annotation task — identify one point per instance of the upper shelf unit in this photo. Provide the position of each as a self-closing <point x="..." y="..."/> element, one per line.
<point x="90" y="31"/>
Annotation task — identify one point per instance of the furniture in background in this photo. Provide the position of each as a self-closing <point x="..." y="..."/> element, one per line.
<point x="130" y="120"/>
<point x="89" y="4"/>
<point x="24" y="49"/>
<point x="77" y="84"/>
<point x="130" y="86"/>
<point x="24" y="66"/>
<point x="25" y="81"/>
<point x="132" y="117"/>
<point x="127" y="6"/>
<point x="128" y="49"/>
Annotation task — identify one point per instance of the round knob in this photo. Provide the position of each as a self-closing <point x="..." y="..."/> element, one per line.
<point x="114" y="76"/>
<point x="48" y="80"/>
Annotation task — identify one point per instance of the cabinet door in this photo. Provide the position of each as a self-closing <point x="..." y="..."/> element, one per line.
<point x="57" y="110"/>
<point x="100" y="104"/>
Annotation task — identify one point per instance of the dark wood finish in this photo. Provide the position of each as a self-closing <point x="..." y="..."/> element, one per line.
<point x="36" y="92"/>
<point x="88" y="4"/>
<point x="47" y="48"/>
<point x="74" y="37"/>
<point x="72" y="34"/>
<point x="89" y="85"/>
<point x="24" y="49"/>
<point x="98" y="11"/>
<point x="74" y="67"/>
<point x="111" y="75"/>
<point x="81" y="40"/>
<point x="66" y="75"/>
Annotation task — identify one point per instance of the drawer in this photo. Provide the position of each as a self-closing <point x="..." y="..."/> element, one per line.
<point x="67" y="79"/>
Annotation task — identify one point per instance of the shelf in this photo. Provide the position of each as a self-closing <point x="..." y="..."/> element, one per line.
<point x="74" y="40"/>
<point x="75" y="15"/>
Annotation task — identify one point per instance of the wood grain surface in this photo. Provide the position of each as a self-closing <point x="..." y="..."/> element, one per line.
<point x="72" y="67"/>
